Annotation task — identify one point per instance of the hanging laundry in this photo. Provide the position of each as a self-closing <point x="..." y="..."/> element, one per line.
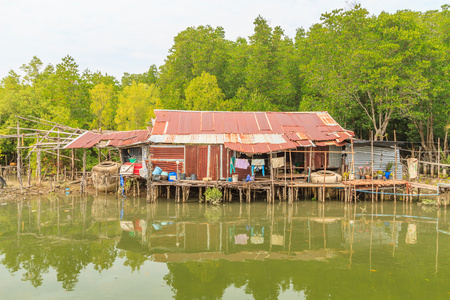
<point x="277" y="162"/>
<point x="242" y="163"/>
<point x="240" y="239"/>
<point x="257" y="240"/>
<point x="257" y="164"/>
<point x="233" y="165"/>
<point x="277" y="239"/>
<point x="256" y="233"/>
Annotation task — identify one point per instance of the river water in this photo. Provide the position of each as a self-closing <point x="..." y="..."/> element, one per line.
<point x="71" y="247"/>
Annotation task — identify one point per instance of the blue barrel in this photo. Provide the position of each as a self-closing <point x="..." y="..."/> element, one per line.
<point x="157" y="171"/>
<point x="172" y="176"/>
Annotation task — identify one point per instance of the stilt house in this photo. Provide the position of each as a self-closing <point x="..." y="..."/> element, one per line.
<point x="216" y="144"/>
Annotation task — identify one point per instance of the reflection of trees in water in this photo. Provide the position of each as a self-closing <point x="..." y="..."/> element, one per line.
<point x="210" y="279"/>
<point x="70" y="245"/>
<point x="213" y="213"/>
<point x="39" y="235"/>
<point x="193" y="280"/>
<point x="133" y="260"/>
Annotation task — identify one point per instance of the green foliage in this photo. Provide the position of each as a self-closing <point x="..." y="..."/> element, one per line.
<point x="389" y="166"/>
<point x="370" y="72"/>
<point x="102" y="106"/>
<point x="136" y="105"/>
<point x="203" y="93"/>
<point x="213" y="195"/>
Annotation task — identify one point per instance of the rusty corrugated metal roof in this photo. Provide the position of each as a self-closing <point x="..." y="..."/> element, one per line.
<point x="217" y="138"/>
<point x="112" y="139"/>
<point x="274" y="130"/>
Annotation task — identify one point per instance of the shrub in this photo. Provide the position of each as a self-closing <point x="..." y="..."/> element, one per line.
<point x="213" y="195"/>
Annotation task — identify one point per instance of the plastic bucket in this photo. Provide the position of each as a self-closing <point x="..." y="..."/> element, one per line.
<point x="172" y="176"/>
<point x="235" y="178"/>
<point x="193" y="177"/>
<point x="157" y="171"/>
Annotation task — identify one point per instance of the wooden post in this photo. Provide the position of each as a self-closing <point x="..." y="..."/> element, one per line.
<point x="38" y="165"/>
<point x="58" y="170"/>
<point x="371" y="146"/>
<point x="72" y="165"/>
<point x="19" y="170"/>
<point x="285" y="176"/>
<point x="395" y="170"/>
<point x="290" y="157"/>
<point x="83" y="180"/>
<point x="29" y="171"/>
<point x="353" y="161"/>
<point x="149" y="175"/>
<point x="324" y="178"/>
<point x="439" y="158"/>
<point x="272" y="176"/>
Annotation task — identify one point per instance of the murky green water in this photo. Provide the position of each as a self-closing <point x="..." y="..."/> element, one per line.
<point x="53" y="248"/>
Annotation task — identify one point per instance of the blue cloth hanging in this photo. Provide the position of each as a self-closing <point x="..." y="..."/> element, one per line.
<point x="256" y="169"/>
<point x="233" y="165"/>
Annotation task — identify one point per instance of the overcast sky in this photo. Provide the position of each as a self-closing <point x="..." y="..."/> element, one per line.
<point x="115" y="36"/>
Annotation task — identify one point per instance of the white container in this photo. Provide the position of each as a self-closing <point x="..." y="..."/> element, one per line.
<point x="235" y="178"/>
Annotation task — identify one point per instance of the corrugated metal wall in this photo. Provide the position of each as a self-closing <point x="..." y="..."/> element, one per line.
<point x="166" y="157"/>
<point x="335" y="157"/>
<point x="381" y="156"/>
<point x="197" y="161"/>
<point x="334" y="160"/>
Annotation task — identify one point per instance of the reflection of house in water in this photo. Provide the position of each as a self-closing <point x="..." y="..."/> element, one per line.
<point x="304" y="238"/>
<point x="234" y="240"/>
<point x="379" y="232"/>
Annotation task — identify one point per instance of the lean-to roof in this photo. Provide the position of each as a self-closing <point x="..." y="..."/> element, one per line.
<point x="111" y="139"/>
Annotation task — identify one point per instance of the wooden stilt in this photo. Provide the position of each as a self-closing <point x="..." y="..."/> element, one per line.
<point x="72" y="165"/>
<point x="19" y="159"/>
<point x="58" y="165"/>
<point x="188" y="190"/>
<point x="84" y="171"/>
<point x="38" y="165"/>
